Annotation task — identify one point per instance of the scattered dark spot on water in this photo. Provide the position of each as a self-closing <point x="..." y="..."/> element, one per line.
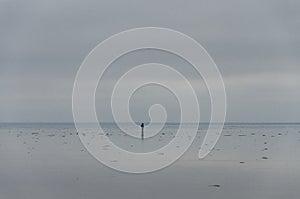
<point x="34" y="133"/>
<point x="51" y="135"/>
<point x="242" y="135"/>
<point x="265" y="142"/>
<point x="264" y="158"/>
<point x="242" y="162"/>
<point x="279" y="134"/>
<point x="215" y="185"/>
<point x="263" y="135"/>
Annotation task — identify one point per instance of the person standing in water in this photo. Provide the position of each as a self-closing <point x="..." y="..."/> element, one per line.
<point x="142" y="126"/>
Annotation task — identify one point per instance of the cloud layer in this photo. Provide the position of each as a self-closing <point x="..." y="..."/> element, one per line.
<point x="256" y="45"/>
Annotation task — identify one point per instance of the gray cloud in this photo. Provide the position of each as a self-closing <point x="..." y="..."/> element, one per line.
<point x="256" y="45"/>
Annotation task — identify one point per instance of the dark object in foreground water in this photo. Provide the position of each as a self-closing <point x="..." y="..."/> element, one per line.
<point x="215" y="185"/>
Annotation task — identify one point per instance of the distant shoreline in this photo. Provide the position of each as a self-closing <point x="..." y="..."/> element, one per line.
<point x="167" y="123"/>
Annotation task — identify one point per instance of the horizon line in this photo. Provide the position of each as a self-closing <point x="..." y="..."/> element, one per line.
<point x="225" y="123"/>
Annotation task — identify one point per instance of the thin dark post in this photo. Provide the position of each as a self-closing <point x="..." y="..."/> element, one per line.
<point x="142" y="126"/>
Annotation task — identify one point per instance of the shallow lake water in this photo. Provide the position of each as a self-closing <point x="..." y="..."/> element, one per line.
<point x="249" y="161"/>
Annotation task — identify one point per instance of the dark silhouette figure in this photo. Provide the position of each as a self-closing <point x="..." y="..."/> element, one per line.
<point x="142" y="126"/>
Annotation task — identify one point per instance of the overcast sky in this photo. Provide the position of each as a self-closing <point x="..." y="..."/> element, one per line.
<point x="256" y="45"/>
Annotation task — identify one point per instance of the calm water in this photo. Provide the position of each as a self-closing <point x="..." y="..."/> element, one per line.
<point x="250" y="161"/>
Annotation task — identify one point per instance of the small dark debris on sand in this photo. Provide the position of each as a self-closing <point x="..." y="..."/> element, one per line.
<point x="215" y="185"/>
